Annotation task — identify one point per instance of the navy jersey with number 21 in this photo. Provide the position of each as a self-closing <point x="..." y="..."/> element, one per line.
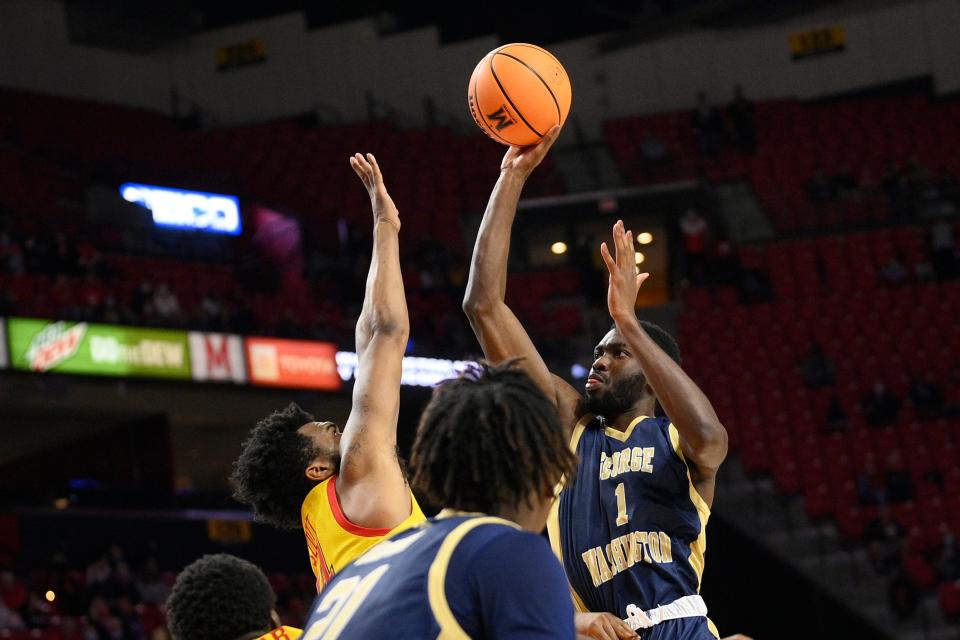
<point x="454" y="576"/>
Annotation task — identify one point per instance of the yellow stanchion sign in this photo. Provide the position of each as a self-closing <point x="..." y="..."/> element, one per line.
<point x="229" y="531"/>
<point x="817" y="42"/>
<point x="241" y="54"/>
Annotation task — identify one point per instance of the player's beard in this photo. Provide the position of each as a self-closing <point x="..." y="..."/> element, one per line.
<point x="618" y="399"/>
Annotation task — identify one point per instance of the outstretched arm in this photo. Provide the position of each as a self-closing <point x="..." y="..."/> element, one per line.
<point x="497" y="328"/>
<point x="703" y="439"/>
<point x="371" y="486"/>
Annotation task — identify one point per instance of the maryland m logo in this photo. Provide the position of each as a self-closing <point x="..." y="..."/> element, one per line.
<point x="500" y="119"/>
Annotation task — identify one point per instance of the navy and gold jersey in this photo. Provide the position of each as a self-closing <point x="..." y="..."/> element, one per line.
<point x="454" y="576"/>
<point x="630" y="528"/>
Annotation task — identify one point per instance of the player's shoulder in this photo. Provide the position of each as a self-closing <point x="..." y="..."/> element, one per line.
<point x="496" y="540"/>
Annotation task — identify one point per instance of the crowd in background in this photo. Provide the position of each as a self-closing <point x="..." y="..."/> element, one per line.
<point x="114" y="597"/>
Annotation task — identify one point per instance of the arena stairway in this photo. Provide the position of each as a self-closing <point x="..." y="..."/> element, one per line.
<point x="752" y="506"/>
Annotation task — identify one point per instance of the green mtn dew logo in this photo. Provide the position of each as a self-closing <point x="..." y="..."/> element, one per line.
<point x="53" y="344"/>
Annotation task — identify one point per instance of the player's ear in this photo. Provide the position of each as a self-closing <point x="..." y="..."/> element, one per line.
<point x="316" y="471"/>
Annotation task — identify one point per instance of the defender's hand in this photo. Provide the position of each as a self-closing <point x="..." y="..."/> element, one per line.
<point x="384" y="210"/>
<point x="603" y="626"/>
<point x="624" y="280"/>
<point x="523" y="160"/>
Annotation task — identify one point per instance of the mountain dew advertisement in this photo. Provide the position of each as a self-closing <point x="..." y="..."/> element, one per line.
<point x="97" y="349"/>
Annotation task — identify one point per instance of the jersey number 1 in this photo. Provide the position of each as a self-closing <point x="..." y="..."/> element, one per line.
<point x="622" y="518"/>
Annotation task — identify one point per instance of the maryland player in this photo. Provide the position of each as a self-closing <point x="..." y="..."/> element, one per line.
<point x="223" y="597"/>
<point x="346" y="489"/>
<point x="489" y="447"/>
<point x="631" y="527"/>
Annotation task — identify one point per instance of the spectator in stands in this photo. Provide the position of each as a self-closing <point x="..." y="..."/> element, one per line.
<point x="893" y="182"/>
<point x="894" y="273"/>
<point x="40" y="613"/>
<point x="845" y="183"/>
<point x="820" y="188"/>
<point x="927" y="396"/>
<point x="221" y="597"/>
<point x="925" y="190"/>
<point x="884" y="539"/>
<point x="210" y="311"/>
<point x="584" y="257"/>
<point x="880" y="406"/>
<point x="923" y="271"/>
<point x="11" y="255"/>
<point x="897" y="483"/>
<point x="871" y="491"/>
<point x="725" y="265"/>
<point x="153" y="590"/>
<point x="948" y="565"/>
<point x="64" y="257"/>
<point x="166" y="305"/>
<point x="707" y="126"/>
<point x="693" y="228"/>
<point x="8" y="304"/>
<point x="754" y="286"/>
<point x="10" y="620"/>
<point x="950" y="188"/>
<point x="868" y="187"/>
<point x="653" y="150"/>
<point x="142" y="296"/>
<point x="837" y="421"/>
<point x="121" y="584"/>
<point x="126" y="614"/>
<point x="903" y="595"/>
<point x="741" y="113"/>
<point x="12" y="592"/>
<point x="102" y="624"/>
<point x="36" y="253"/>
<point x="817" y="369"/>
<point x="654" y="156"/>
<point x="943" y="250"/>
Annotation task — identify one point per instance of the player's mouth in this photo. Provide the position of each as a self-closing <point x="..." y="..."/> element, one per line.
<point x="593" y="382"/>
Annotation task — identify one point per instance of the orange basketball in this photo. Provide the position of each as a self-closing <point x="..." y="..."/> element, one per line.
<point x="517" y="92"/>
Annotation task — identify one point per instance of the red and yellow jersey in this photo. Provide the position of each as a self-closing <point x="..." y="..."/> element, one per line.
<point x="332" y="540"/>
<point x="282" y="633"/>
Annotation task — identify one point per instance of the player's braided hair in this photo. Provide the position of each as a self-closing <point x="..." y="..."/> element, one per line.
<point x="269" y="476"/>
<point x="489" y="438"/>
<point x="219" y="597"/>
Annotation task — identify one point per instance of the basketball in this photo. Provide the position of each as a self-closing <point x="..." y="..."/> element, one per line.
<point x="518" y="92"/>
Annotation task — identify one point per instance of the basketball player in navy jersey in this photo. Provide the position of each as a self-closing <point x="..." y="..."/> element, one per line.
<point x="630" y="529"/>
<point x="488" y="447"/>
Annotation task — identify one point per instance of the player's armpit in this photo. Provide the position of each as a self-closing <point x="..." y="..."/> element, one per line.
<point x="569" y="404"/>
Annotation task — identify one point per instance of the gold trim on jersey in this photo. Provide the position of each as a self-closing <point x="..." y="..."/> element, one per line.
<point x="699" y="546"/>
<point x="713" y="629"/>
<point x="622" y="436"/>
<point x="453" y="513"/>
<point x="553" y="518"/>
<point x="450" y="629"/>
